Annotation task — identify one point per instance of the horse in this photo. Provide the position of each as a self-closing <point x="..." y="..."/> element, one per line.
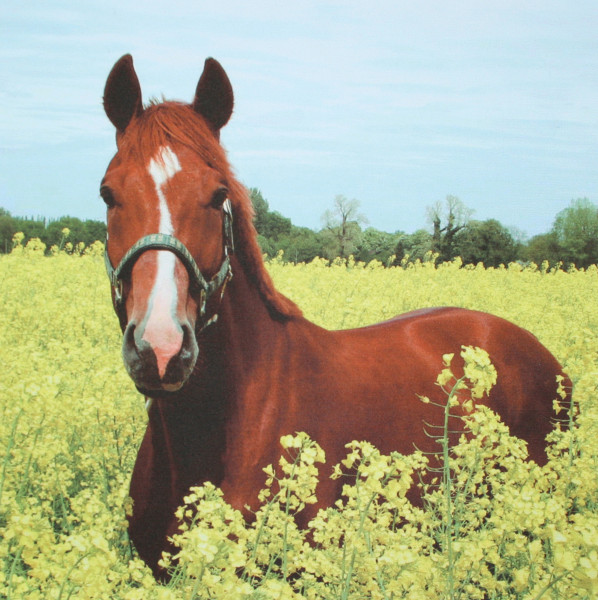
<point x="226" y="362"/>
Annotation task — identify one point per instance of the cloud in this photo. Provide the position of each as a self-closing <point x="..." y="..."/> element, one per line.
<point x="420" y="99"/>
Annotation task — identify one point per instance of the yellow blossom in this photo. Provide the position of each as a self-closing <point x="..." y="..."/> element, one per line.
<point x="71" y="422"/>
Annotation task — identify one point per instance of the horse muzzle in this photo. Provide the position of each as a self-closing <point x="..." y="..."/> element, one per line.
<point x="162" y="364"/>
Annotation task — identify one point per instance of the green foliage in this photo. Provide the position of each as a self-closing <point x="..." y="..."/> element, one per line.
<point x="300" y="245"/>
<point x="576" y="229"/>
<point x="543" y="247"/>
<point x="377" y="245"/>
<point x="341" y="240"/>
<point x="50" y="232"/>
<point x="573" y="238"/>
<point x="414" y="246"/>
<point x="447" y="219"/>
<point x="7" y="230"/>
<point x="342" y="228"/>
<point x="277" y="234"/>
<point x="487" y="242"/>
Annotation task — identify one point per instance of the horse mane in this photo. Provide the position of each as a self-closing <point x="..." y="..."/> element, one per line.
<point x="167" y="122"/>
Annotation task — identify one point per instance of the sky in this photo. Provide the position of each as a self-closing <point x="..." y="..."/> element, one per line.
<point x="394" y="103"/>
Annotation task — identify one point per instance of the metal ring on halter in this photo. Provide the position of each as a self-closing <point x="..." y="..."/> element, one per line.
<point x="118" y="291"/>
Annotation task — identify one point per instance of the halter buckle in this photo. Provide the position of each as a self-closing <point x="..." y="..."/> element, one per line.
<point x="203" y="301"/>
<point x="118" y="291"/>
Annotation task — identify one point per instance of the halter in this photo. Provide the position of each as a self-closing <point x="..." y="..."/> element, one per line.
<point x="164" y="241"/>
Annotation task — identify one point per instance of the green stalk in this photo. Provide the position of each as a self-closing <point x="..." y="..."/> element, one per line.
<point x="11" y="441"/>
<point x="13" y="567"/>
<point x="68" y="574"/>
<point x="447" y="488"/>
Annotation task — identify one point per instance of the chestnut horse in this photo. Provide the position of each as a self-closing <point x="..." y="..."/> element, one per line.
<point x="228" y="364"/>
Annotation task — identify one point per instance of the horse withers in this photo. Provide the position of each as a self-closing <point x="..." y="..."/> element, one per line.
<point x="228" y="364"/>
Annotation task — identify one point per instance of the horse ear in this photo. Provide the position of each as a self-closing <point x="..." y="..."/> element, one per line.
<point x="214" y="95"/>
<point x="122" y="94"/>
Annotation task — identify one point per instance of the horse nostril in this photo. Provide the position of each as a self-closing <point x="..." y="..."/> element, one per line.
<point x="129" y="345"/>
<point x="189" y="345"/>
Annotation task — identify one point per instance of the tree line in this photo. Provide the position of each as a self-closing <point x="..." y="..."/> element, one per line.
<point x="50" y="232"/>
<point x="452" y="232"/>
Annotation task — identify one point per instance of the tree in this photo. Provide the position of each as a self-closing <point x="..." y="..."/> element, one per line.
<point x="32" y="228"/>
<point x="576" y="229"/>
<point x="270" y="225"/>
<point x="301" y="245"/>
<point x="543" y="247"/>
<point x="54" y="236"/>
<point x="50" y="233"/>
<point x="7" y="230"/>
<point x="487" y="242"/>
<point x="94" y="231"/>
<point x="376" y="245"/>
<point x="447" y="220"/>
<point x="416" y="245"/>
<point x="260" y="208"/>
<point x="342" y="225"/>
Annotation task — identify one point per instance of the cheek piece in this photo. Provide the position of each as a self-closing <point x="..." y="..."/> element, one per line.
<point x="164" y="241"/>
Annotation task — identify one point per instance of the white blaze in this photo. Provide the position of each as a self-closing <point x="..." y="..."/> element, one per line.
<point x="162" y="168"/>
<point x="161" y="331"/>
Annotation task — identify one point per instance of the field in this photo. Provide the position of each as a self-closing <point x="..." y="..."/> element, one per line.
<point x="496" y="526"/>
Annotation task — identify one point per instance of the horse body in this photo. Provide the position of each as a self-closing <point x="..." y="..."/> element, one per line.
<point x="231" y="366"/>
<point x="263" y="378"/>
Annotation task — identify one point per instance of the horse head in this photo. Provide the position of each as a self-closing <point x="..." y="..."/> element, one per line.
<point x="169" y="222"/>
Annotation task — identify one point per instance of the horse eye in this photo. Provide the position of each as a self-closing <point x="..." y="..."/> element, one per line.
<point x="107" y="196"/>
<point x="219" y="196"/>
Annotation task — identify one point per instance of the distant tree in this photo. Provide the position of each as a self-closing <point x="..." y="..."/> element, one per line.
<point x="519" y="236"/>
<point x="32" y="228"/>
<point x="576" y="229"/>
<point x="542" y="247"/>
<point x="261" y="208"/>
<point x="54" y="236"/>
<point x="416" y="245"/>
<point x="376" y="245"/>
<point x="269" y="224"/>
<point x="278" y="225"/>
<point x="267" y="246"/>
<point x="447" y="219"/>
<point x="487" y="242"/>
<point x="521" y="239"/>
<point x="94" y="231"/>
<point x="50" y="233"/>
<point x="7" y="230"/>
<point x="300" y="245"/>
<point x="342" y="226"/>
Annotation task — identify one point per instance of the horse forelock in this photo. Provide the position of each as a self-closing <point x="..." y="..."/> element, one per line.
<point x="161" y="125"/>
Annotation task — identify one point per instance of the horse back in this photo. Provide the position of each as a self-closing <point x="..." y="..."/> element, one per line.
<point x="367" y="381"/>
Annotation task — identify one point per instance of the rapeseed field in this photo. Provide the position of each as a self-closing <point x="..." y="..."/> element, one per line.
<point x="494" y="526"/>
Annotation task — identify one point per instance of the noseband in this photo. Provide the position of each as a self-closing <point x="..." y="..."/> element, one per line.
<point x="164" y="241"/>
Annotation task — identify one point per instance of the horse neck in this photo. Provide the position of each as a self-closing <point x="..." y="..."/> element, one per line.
<point x="248" y="330"/>
<point x="189" y="429"/>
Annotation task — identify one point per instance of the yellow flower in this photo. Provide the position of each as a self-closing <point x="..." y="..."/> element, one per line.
<point x="479" y="370"/>
<point x="72" y="422"/>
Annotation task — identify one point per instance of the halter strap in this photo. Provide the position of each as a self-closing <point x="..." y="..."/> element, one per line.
<point x="164" y="241"/>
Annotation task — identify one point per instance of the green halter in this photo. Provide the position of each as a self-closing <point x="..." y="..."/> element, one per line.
<point x="164" y="241"/>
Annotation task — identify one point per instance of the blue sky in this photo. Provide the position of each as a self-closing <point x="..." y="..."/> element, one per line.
<point x="395" y="103"/>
